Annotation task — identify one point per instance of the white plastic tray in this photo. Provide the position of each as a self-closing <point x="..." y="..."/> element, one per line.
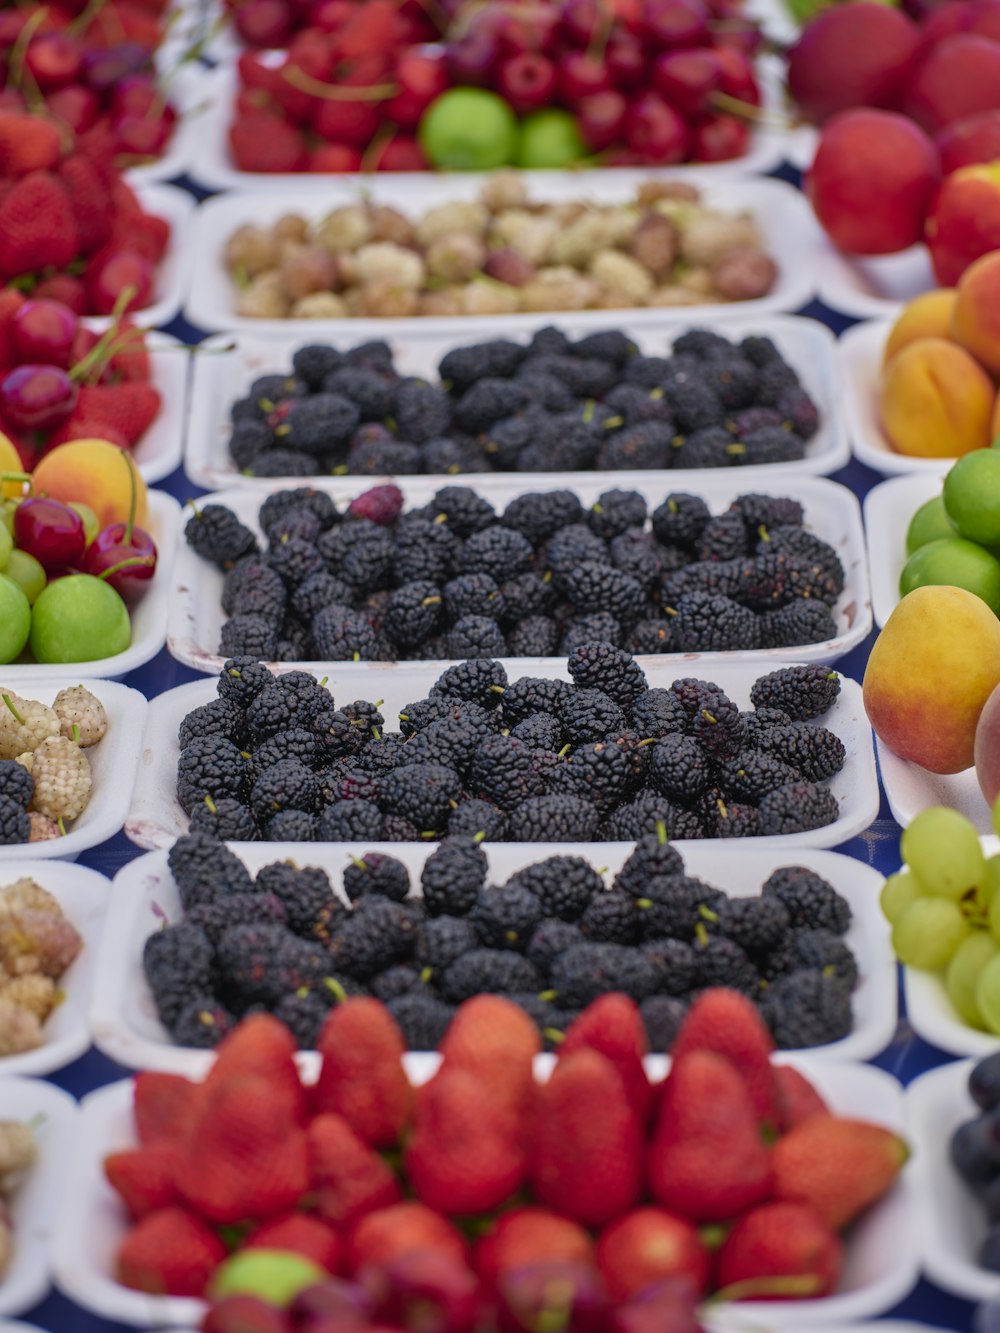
<point x="860" y="352"/>
<point x="113" y="764"/>
<point x="874" y="287"/>
<point x="123" y="1015"/>
<point x="786" y="221"/>
<point x="83" y="896"/>
<point x="881" y="1264"/>
<point x="156" y="817"/>
<point x="37" y="1203"/>
<point x="161" y="448"/>
<point x="149" y="616"/>
<point x="888" y="508"/>
<point x="832" y="512"/>
<point x="222" y="375"/>
<point x="951" y="1221"/>
<point x="910" y="789"/>
<point x="15" y="1326"/>
<point x="188" y="90"/>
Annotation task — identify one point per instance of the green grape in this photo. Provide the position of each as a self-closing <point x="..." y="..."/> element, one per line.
<point x="988" y="994"/>
<point x="928" y="932"/>
<point x="976" y="951"/>
<point x="898" y="892"/>
<point x="942" y="849"/>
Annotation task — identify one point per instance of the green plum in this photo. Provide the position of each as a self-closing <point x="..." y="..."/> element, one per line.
<point x="929" y="524"/>
<point x="954" y="561"/>
<point x="24" y="570"/>
<point x="550" y="140"/>
<point x="79" y="619"/>
<point x="15" y="619"/>
<point x="91" y="523"/>
<point x="468" y="129"/>
<point x="276" y="1276"/>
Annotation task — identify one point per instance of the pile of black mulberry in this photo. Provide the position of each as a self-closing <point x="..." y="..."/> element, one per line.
<point x="599" y="756"/>
<point x="550" y="405"/>
<point x="454" y="578"/>
<point x="552" y="939"/>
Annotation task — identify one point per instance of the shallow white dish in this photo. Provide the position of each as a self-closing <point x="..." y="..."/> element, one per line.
<point x="196" y="616"/>
<point x="875" y="287"/>
<point x="35" y="1205"/>
<point x="161" y="448"/>
<point x="156" y="817"/>
<point x="15" y="1326"/>
<point x="83" y="896"/>
<point x="910" y="789"/>
<point x="881" y="1264"/>
<point x="888" y="508"/>
<point x="226" y="366"/>
<point x="123" y="1015"/>
<point x="149" y="616"/>
<point x="113" y="764"/>
<point x="860" y="354"/>
<point x="951" y="1222"/>
<point x="189" y="91"/>
<point x="790" y="232"/>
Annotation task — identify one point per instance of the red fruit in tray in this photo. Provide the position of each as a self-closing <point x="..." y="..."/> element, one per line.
<point x="264" y="23"/>
<point x="581" y="75"/>
<point x="44" y="331"/>
<point x="656" y="132"/>
<point x="726" y="1022"/>
<point x="984" y="20"/>
<point x="797" y="1097"/>
<point x="858" y="54"/>
<point x="527" y="81"/>
<point x="347" y="1177"/>
<point x="164" y="1106"/>
<point x="28" y="143"/>
<point x="647" y="1245"/>
<point x="736" y="75"/>
<point x="335" y="157"/>
<point x="130" y="552"/>
<point x="110" y="275"/>
<point x="141" y="136"/>
<point x="335" y="1305"/>
<point x="255" y="72"/>
<point x="672" y="24"/>
<point x="346" y="122"/>
<point x="401" y="1229"/>
<point x="373" y="27"/>
<point x="329" y="15"/>
<point x="89" y="199"/>
<point x="687" y="79"/>
<point x="265" y="143"/>
<point x="37" y="397"/>
<point x="301" y="1234"/>
<point x="613" y="1026"/>
<point x="36" y="226"/>
<point x="143" y="1178"/>
<point x="969" y="142"/>
<point x="423" y="1290"/>
<point x="872" y="181"/>
<point x="54" y="60"/>
<point x="362" y="1076"/>
<point x="959" y="78"/>
<point x="776" y="1241"/>
<point x="530" y="1235"/>
<point x="171" y="1252"/>
<point x="529" y="27"/>
<point x="261" y="1046"/>
<point x="11" y="301"/>
<point x="837" y="1166"/>
<point x="76" y="104"/>
<point x="65" y="289"/>
<point x="421" y="78"/>
<point x="489" y="1038"/>
<point x="584" y="21"/>
<point x="402" y="153"/>
<point x="244" y="1314"/>
<point x="719" y="139"/>
<point x="602" y="119"/>
<point x="50" y="531"/>
<point x="473" y="57"/>
<point x="671" y="1304"/>
<point x="626" y="60"/>
<point x="128" y="409"/>
<point x="964" y="222"/>
<point x="555" y="1295"/>
<point x="105" y="69"/>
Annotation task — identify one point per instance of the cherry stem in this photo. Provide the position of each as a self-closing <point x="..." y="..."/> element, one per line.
<point x="748" y="111"/>
<point x="598" y="44"/>
<point x="16" y="67"/>
<point x="110" y="342"/>
<point x="794" y="1284"/>
<point x="146" y="560"/>
<point x="375" y="92"/>
<point x="86" y="16"/>
<point x="376" y="147"/>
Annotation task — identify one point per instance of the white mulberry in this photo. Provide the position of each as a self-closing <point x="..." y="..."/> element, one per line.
<point x="384" y="262"/>
<point x="24" y="724"/>
<point x="62" y="779"/>
<point x="78" y="707"/>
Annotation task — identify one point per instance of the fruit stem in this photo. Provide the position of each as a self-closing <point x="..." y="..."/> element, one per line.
<point x="376" y="147"/>
<point x="146" y="560"/>
<point x="16" y="70"/>
<point x="105" y="348"/>
<point x="755" y="114"/>
<point x="797" y="1284"/>
<point x="375" y="92"/>
<point x="598" y="44"/>
<point x="17" y="716"/>
<point x="86" y="16"/>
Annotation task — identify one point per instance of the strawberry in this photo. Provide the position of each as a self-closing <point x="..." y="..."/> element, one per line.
<point x="798" y="1098"/>
<point x="779" y="1251"/>
<point x="837" y="1166"/>
<point x="262" y="1047"/>
<point x="262" y="142"/>
<point x="36" y="226"/>
<point x="130" y="360"/>
<point x="147" y="235"/>
<point x="362" y="1076"/>
<point x="164" y="1106"/>
<point x="169" y="1253"/>
<point x="88" y="194"/>
<point x="301" y="1234"/>
<point x="247" y="1157"/>
<point x="144" y="1177"/>
<point x="585" y="1142"/>
<point x="383" y="1236"/>
<point x="85" y="428"/>
<point x="613" y="1025"/>
<point x="496" y="1041"/>
<point x="346" y="1176"/>
<point x="460" y="1158"/>
<point x="648" y="1245"/>
<point x="65" y="288"/>
<point x="127" y="409"/>
<point x="528" y="1236"/>
<point x="707" y="1160"/>
<point x="725" y="1021"/>
<point x="28" y="143"/>
<point x="10" y="303"/>
<point x="372" y="28"/>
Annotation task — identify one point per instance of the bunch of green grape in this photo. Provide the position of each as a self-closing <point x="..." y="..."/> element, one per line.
<point x="944" y="906"/>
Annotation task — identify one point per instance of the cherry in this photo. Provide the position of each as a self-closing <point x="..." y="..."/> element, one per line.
<point x="11" y="100"/>
<point x="656" y="131"/>
<point x="54" y="60"/>
<point x="626" y="60"/>
<point x="582" y="75"/>
<point x="529" y="28"/>
<point x="402" y="153"/>
<point x="738" y="34"/>
<point x="602" y="119"/>
<point x="104" y="69"/>
<point x="527" y="81"/>
<point x="141" y="135"/>
<point x="675" y="23"/>
<point x="736" y="75"/>
<point x="108" y="280"/>
<point x="137" y="94"/>
<point x="76" y="104"/>
<point x="45" y="331"/>
<point x="37" y="397"/>
<point x="50" y="531"/>
<point x="586" y="21"/>
<point x="421" y="78"/>
<point x="117" y="545"/>
<point x="720" y="138"/>
<point x="337" y="157"/>
<point x="346" y="122"/>
<point x="264" y="23"/>
<point x="687" y="79"/>
<point x="473" y="56"/>
<point x="330" y="15"/>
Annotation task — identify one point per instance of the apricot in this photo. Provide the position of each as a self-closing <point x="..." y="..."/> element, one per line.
<point x="926" y="316"/>
<point x="872" y="181"/>
<point x="968" y="142"/>
<point x="851" y="55"/>
<point x="957" y="78"/>
<point x="975" y="320"/>
<point x="97" y="473"/>
<point x="964" y="221"/>
<point x="929" y="675"/>
<point x="936" y="401"/>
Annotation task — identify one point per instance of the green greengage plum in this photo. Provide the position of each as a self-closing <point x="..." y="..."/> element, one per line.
<point x="24" y="570"/>
<point x="79" y="619"/>
<point x="550" y="140"/>
<point x="928" y="524"/>
<point x="6" y="546"/>
<point x="469" y="129"/>
<point x="276" y="1276"/>
<point x="954" y="561"/>
<point x="15" y="619"/>
<point x="972" y="496"/>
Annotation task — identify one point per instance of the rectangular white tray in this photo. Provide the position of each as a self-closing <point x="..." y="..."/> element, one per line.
<point x="859" y="352"/>
<point x="156" y="817"/>
<point x="123" y="1015"/>
<point x="225" y="367"/>
<point x="149" y="615"/>
<point x="910" y="789"/>
<point x="874" y="287"/>
<point x="161" y="449"/>
<point x="789" y="229"/>
<point x="83" y="896"/>
<point x="40" y="1198"/>
<point x="880" y="1268"/>
<point x="888" y="508"/>
<point x="832" y="512"/>
<point x="113" y="764"/>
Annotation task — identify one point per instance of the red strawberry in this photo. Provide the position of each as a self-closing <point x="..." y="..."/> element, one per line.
<point x="147" y="235"/>
<point x="301" y="1234"/>
<point x="28" y="143"/>
<point x="613" y="1025"/>
<point x="460" y="1158"/>
<point x="707" y="1160"/>
<point x="127" y="409"/>
<point x="247" y="1157"/>
<point x="169" y="1253"/>
<point x="164" y="1106"/>
<point x="362" y="1076"/>
<point x="130" y="362"/>
<point x="798" y="1098"/>
<point x="85" y="428"/>
<point x="263" y="1047"/>
<point x="779" y="1251"/>
<point x="97" y="146"/>
<point x="262" y="142"/>
<point x="837" y="1166"/>
<point x="725" y="1021"/>
<point x="36" y="226"/>
<point x="496" y="1041"/>
<point x="586" y="1144"/>
<point x="528" y="1236"/>
<point x="372" y="28"/>
<point x="88" y="194"/>
<point x="10" y="303"/>
<point x="145" y="1178"/>
<point x="65" y="288"/>
<point x="648" y="1245"/>
<point x="346" y="1176"/>
<point x="383" y="1236"/>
